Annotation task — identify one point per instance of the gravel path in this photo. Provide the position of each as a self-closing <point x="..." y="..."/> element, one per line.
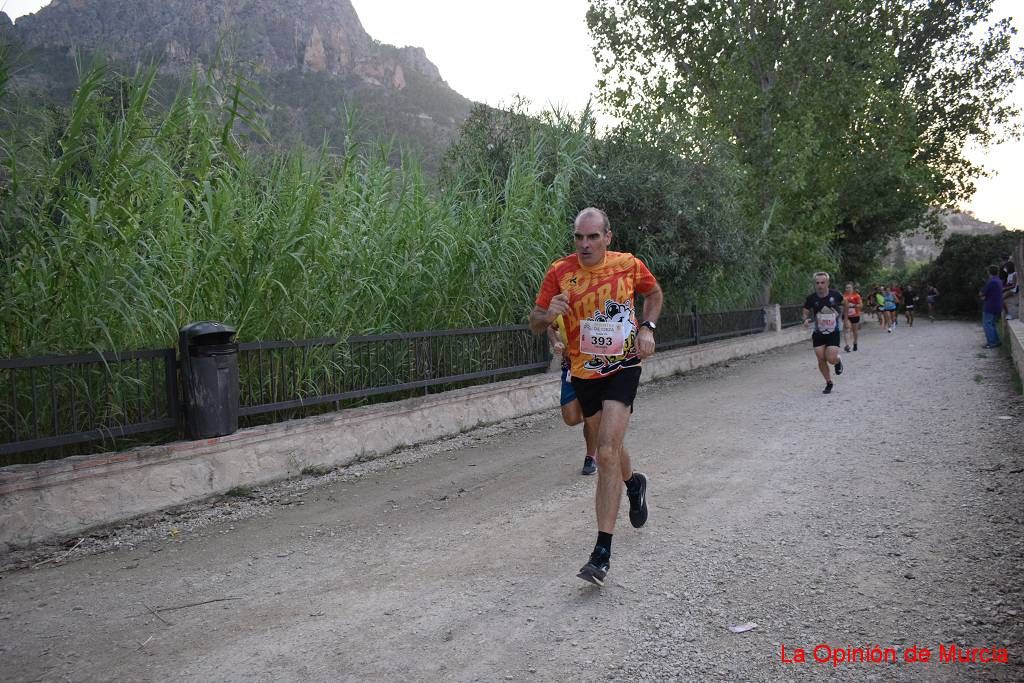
<point x="888" y="514"/>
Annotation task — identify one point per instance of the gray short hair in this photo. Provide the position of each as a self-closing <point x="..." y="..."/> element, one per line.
<point x="822" y="273"/>
<point x="593" y="212"/>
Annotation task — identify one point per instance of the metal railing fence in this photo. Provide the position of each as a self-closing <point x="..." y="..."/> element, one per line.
<point x="51" y="405"/>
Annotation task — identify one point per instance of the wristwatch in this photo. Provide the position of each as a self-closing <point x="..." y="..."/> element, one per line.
<point x="649" y="324"/>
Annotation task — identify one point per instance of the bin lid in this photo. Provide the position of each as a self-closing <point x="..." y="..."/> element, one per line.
<point x="193" y="330"/>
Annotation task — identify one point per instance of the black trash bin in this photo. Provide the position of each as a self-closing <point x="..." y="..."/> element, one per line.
<point x="209" y="374"/>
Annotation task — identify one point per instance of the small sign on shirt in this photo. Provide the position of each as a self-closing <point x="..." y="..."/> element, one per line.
<point x="602" y="338"/>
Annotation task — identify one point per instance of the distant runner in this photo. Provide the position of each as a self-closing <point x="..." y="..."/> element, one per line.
<point x="853" y="304"/>
<point x="879" y="303"/>
<point x="889" y="308"/>
<point x="897" y="292"/>
<point x="572" y="414"/>
<point x="594" y="290"/>
<point x="932" y="298"/>
<point x="824" y="310"/>
<point x="910" y="299"/>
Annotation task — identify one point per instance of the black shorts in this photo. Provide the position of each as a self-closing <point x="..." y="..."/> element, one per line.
<point x="830" y="339"/>
<point x="854" y="319"/>
<point x="620" y="386"/>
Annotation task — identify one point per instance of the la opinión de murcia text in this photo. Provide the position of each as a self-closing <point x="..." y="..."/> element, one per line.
<point x="837" y="656"/>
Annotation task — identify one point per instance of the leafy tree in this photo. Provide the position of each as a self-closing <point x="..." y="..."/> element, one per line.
<point x="850" y="116"/>
<point x="682" y="214"/>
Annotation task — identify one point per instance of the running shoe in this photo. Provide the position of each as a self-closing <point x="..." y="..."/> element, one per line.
<point x="589" y="465"/>
<point x="827" y="389"/>
<point x="839" y="366"/>
<point x="596" y="567"/>
<point x="636" y="491"/>
<point x="854" y="347"/>
<point x="846" y="348"/>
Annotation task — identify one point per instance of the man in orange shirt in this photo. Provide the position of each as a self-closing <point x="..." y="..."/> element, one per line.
<point x="593" y="289"/>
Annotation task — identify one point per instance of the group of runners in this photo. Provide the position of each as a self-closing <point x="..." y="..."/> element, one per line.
<point x="828" y="314"/>
<point x="887" y="301"/>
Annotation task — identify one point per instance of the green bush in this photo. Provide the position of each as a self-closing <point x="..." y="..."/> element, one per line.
<point x="961" y="269"/>
<point x="681" y="214"/>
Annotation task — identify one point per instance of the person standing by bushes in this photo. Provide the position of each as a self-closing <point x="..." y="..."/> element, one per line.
<point x="1011" y="287"/>
<point x="992" y="293"/>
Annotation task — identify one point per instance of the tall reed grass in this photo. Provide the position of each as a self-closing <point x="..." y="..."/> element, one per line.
<point x="123" y="219"/>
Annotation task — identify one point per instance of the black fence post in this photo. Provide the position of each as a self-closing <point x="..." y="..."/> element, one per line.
<point x="174" y="411"/>
<point x="695" y="324"/>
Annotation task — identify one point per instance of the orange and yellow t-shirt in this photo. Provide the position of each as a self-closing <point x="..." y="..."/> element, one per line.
<point x="601" y="324"/>
<point x="853" y="304"/>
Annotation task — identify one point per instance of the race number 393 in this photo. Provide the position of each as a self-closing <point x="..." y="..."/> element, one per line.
<point x="602" y="338"/>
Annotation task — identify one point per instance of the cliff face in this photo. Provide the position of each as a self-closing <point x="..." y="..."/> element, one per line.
<point x="919" y="247"/>
<point x="317" y="36"/>
<point x="313" y="60"/>
<point x="6" y="28"/>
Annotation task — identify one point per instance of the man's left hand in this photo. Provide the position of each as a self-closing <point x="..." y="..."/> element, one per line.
<point x="645" y="343"/>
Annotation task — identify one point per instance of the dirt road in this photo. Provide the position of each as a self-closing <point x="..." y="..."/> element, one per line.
<point x="888" y="514"/>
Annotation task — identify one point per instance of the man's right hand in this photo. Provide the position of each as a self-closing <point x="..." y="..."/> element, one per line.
<point x="559" y="306"/>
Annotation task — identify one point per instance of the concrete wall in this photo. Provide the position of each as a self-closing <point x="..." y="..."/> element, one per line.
<point x="1015" y="328"/>
<point x="64" y="497"/>
<point x="1014" y="336"/>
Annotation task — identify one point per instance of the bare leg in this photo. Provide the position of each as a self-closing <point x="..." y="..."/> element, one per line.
<point x="625" y="464"/>
<point x="590" y="436"/>
<point x="613" y="463"/>
<point x="854" y="328"/>
<point x="819" y="351"/>
<point x="572" y="414"/>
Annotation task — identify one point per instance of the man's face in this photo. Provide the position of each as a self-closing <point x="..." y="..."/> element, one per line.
<point x="591" y="240"/>
<point x="821" y="285"/>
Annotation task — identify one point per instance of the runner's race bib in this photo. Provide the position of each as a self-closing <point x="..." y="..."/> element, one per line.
<point x="827" y="322"/>
<point x="852" y="311"/>
<point x="602" y="338"/>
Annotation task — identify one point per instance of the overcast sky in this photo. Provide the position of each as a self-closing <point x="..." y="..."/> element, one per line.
<point x="491" y="51"/>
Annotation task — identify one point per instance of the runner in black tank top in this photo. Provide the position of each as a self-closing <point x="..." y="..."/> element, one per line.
<point x="824" y="310"/>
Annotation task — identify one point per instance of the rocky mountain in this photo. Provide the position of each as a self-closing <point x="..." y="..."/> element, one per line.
<point x="312" y="57"/>
<point x="920" y="247"/>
